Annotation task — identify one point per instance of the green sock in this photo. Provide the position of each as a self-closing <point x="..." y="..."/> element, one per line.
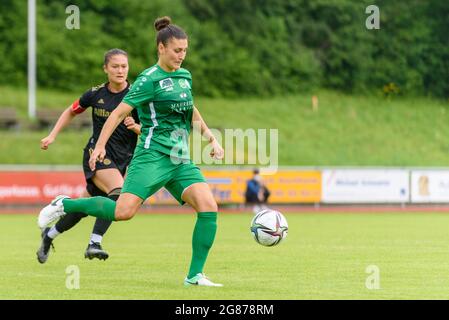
<point x="202" y="240"/>
<point x="100" y="207"/>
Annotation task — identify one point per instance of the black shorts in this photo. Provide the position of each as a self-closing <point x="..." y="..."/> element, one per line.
<point x="109" y="162"/>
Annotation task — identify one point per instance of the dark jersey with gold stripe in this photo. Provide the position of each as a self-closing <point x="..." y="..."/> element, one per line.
<point x="122" y="142"/>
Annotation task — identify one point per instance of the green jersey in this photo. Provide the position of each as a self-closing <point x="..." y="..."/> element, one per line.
<point x="164" y="102"/>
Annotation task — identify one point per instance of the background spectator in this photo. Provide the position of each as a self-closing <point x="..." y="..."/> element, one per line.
<point x="257" y="193"/>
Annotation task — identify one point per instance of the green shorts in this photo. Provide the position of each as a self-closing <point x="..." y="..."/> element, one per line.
<point x="150" y="170"/>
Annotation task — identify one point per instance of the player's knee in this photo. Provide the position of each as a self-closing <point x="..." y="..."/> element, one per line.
<point x="123" y="213"/>
<point x="208" y="205"/>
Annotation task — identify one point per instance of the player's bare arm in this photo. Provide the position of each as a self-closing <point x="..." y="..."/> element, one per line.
<point x="217" y="151"/>
<point x="64" y="119"/>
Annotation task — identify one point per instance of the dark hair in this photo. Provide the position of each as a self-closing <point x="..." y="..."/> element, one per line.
<point x="166" y="30"/>
<point x="256" y="171"/>
<point x="108" y="55"/>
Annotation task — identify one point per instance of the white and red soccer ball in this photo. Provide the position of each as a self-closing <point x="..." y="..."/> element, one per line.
<point x="269" y="227"/>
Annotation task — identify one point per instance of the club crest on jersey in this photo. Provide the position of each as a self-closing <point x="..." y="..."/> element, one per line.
<point x="183" y="83"/>
<point x="166" y="84"/>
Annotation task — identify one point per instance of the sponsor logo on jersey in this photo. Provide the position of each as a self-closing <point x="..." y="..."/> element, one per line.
<point x="183" y="83"/>
<point x="166" y="84"/>
<point x="101" y="101"/>
<point x="106" y="162"/>
<point x="101" y="112"/>
<point x="183" y="95"/>
<point x="182" y="106"/>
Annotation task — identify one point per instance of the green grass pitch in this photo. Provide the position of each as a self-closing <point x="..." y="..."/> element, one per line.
<point x="325" y="256"/>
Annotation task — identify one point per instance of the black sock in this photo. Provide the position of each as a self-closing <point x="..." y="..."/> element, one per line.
<point x="68" y="221"/>
<point x="102" y="225"/>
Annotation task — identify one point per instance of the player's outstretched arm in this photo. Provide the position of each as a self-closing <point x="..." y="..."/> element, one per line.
<point x="217" y="151"/>
<point x="64" y="119"/>
<point x="114" y="119"/>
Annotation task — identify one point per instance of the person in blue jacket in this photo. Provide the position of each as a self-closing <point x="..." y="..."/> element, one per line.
<point x="257" y="193"/>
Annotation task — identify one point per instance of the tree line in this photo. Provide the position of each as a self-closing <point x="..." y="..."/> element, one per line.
<point x="246" y="47"/>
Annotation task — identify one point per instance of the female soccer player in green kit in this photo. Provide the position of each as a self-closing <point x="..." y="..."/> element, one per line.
<point x="162" y="95"/>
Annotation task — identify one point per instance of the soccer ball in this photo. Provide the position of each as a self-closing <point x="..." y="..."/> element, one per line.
<point x="269" y="227"/>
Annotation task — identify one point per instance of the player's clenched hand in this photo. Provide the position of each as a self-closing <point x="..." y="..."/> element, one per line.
<point x="217" y="151"/>
<point x="46" y="142"/>
<point x="97" y="155"/>
<point x="130" y="123"/>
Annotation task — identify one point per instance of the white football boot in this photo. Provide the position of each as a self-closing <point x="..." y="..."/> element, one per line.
<point x="52" y="212"/>
<point x="201" y="280"/>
